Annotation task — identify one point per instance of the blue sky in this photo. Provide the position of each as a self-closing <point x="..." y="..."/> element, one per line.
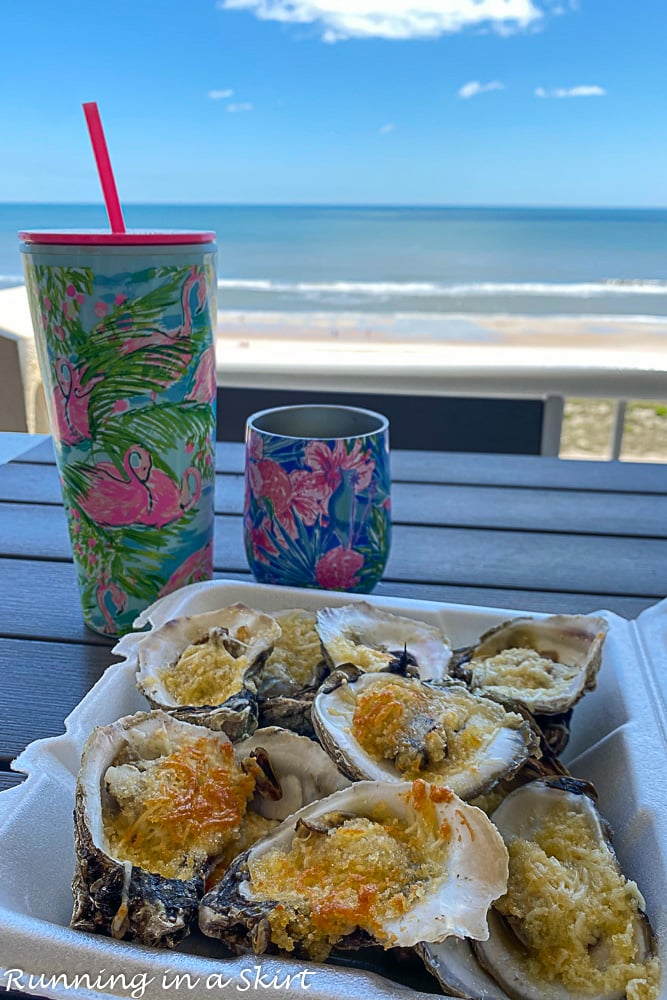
<point x="338" y="101"/>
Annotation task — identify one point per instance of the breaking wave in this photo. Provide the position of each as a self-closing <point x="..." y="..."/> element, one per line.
<point x="430" y="289"/>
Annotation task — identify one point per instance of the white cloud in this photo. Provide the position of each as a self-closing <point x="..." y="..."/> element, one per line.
<point x="235" y="108"/>
<point x="386" y="129"/>
<point x="474" y="88"/>
<point x="586" y="91"/>
<point x="399" y="19"/>
<point x="220" y="95"/>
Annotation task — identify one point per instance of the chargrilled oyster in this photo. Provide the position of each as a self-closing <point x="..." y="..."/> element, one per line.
<point x="385" y="863"/>
<point x="545" y="664"/>
<point x="155" y="800"/>
<point x="570" y="926"/>
<point x="204" y="668"/>
<point x="391" y="728"/>
<point x="370" y="639"/>
<point x="292" y="673"/>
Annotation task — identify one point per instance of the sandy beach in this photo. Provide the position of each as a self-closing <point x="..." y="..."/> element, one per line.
<point x="579" y="357"/>
<point x="617" y="333"/>
<point x="625" y="344"/>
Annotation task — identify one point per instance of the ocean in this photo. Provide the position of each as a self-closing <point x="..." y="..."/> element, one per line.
<point x="435" y="261"/>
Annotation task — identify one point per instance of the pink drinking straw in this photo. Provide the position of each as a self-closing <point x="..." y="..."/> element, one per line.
<point x="104" y="170"/>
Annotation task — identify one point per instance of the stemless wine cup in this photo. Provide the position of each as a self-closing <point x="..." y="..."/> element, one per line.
<point x="317" y="507"/>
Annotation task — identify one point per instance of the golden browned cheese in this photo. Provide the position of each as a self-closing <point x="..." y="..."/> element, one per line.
<point x="253" y="828"/>
<point x="388" y="709"/>
<point x="354" y="876"/>
<point x="522" y="669"/>
<point x="565" y="890"/>
<point x="298" y="652"/>
<point x="179" y="811"/>
<point x="206" y="673"/>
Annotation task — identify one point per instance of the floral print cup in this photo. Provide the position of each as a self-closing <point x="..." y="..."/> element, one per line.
<point x="124" y="335"/>
<point x="317" y="509"/>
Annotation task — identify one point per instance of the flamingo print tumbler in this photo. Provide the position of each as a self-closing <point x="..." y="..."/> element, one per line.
<point x="124" y="326"/>
<point x="317" y="497"/>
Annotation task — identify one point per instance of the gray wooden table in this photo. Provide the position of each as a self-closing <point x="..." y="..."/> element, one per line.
<point x="503" y="531"/>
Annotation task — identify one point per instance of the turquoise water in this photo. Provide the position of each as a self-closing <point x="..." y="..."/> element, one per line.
<point x="411" y="260"/>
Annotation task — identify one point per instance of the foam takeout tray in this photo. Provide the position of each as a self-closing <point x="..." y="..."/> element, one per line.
<point x="619" y="742"/>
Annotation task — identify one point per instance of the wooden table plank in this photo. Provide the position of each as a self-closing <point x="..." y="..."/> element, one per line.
<point x="41" y="684"/>
<point x="628" y="514"/>
<point x="519" y="560"/>
<point x="54" y="613"/>
<point x="529" y="471"/>
<point x="446" y="505"/>
<point x="549" y="602"/>
<point x="40" y="600"/>
<point x="8" y="779"/>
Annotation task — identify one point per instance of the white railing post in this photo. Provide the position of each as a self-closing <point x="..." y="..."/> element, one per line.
<point x="552" y="425"/>
<point x="617" y="429"/>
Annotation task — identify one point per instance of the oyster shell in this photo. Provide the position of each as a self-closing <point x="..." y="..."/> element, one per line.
<point x="302" y="770"/>
<point x="292" y="673"/>
<point x="372" y="640"/>
<point x="570" y="926"/>
<point x="391" y="728"/>
<point x="546" y="664"/>
<point x="387" y="863"/>
<point x="136" y="876"/>
<point x="203" y="668"/>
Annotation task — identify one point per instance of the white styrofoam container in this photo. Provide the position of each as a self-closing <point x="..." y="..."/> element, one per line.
<point x="619" y="741"/>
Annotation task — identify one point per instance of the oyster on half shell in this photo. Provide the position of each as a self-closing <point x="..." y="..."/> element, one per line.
<point x="571" y="925"/>
<point x="292" y="673"/>
<point x="385" y="863"/>
<point x="371" y="639"/>
<point x="391" y="728"/>
<point x="155" y="800"/>
<point x="203" y="668"/>
<point x="545" y="664"/>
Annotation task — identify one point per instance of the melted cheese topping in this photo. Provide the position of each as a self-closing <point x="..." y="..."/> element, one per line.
<point x="353" y="876"/>
<point x="522" y="670"/>
<point x="351" y="648"/>
<point x="207" y="673"/>
<point x="180" y="810"/>
<point x="253" y="828"/>
<point x="463" y="726"/>
<point x="297" y="655"/>
<point x="576" y="911"/>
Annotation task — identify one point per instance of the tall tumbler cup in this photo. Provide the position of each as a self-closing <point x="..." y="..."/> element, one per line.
<point x="124" y="326"/>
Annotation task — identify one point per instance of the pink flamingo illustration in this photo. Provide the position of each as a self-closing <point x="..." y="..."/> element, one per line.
<point x="144" y="495"/>
<point x="108" y="593"/>
<point x="197" y="567"/>
<point x="169" y="500"/>
<point x="71" y="400"/>
<point x="114" y="499"/>
<point x="204" y="387"/>
<point x="155" y="336"/>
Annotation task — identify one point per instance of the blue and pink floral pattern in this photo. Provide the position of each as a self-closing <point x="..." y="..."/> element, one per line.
<point x="317" y="513"/>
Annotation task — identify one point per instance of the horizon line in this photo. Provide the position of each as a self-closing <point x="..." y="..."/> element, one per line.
<point x="343" y="205"/>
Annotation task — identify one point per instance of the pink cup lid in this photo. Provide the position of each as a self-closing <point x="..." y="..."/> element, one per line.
<point x="103" y="237"/>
